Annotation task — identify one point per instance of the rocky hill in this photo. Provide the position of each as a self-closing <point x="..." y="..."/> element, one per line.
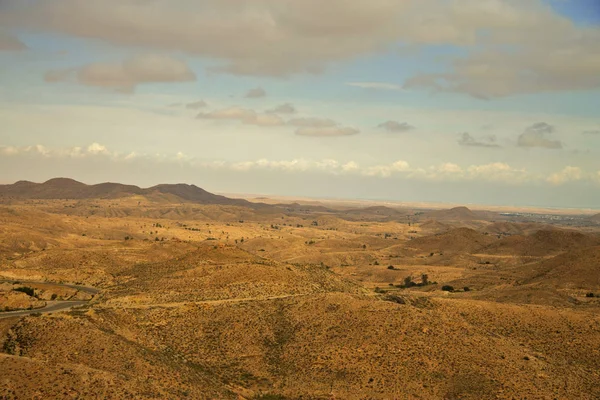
<point x="64" y="188"/>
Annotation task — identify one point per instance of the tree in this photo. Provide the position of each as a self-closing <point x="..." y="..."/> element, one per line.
<point x="424" y="279"/>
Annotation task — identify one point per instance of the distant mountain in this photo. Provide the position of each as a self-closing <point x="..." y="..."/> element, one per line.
<point x="453" y="214"/>
<point x="595" y="218"/>
<point x="64" y="188"/>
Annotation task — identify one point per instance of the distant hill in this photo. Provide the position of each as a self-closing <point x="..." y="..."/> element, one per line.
<point x="577" y="269"/>
<point x="64" y="188"/>
<point x="432" y="225"/>
<point x="454" y="241"/>
<point x="595" y="218"/>
<point x="381" y="213"/>
<point x="514" y="228"/>
<point x="453" y="214"/>
<point x="542" y="243"/>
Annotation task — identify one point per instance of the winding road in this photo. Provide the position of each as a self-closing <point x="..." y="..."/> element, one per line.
<point x="51" y="306"/>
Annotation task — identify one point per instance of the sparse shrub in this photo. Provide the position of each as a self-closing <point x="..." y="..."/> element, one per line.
<point x="25" y="289"/>
<point x="447" y="288"/>
<point x="589" y="295"/>
<point x="394" y="299"/>
<point x="376" y="262"/>
<point x="379" y="290"/>
<point x="424" y="279"/>
<point x="269" y="397"/>
<point x="391" y="267"/>
<point x="408" y="282"/>
<point x="466" y="289"/>
<point x="54" y="296"/>
<point x="157" y="239"/>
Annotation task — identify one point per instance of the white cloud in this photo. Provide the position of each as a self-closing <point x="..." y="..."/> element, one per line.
<point x="469" y="141"/>
<point x="537" y="136"/>
<point x="387" y="170"/>
<point x="568" y="174"/>
<point x="350" y="166"/>
<point x="125" y="76"/>
<point x="247" y="116"/>
<point x="512" y="46"/>
<point x="500" y="172"/>
<point x="452" y="172"/>
<point x="231" y="113"/>
<point x="96" y="148"/>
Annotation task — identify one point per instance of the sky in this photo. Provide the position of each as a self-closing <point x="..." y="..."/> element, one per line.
<point x="459" y="101"/>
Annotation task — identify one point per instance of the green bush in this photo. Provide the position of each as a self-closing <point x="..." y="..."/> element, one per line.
<point x="447" y="288"/>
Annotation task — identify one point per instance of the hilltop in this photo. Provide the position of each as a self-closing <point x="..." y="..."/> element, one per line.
<point x="453" y="214"/>
<point x="64" y="188"/>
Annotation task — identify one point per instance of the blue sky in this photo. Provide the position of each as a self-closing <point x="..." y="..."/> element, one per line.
<point x="429" y="95"/>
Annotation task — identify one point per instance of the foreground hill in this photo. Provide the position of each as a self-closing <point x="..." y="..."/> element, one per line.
<point x="64" y="188"/>
<point x="575" y="269"/>
<point x="542" y="243"/>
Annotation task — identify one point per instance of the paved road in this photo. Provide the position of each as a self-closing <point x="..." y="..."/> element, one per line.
<point x="51" y="306"/>
<point x="85" y="289"/>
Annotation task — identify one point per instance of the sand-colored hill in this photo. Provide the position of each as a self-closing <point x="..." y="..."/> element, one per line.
<point x="434" y="226"/>
<point x="64" y="188"/>
<point x="575" y="269"/>
<point x="542" y="243"/>
<point x="514" y="228"/>
<point x="324" y="346"/>
<point x="220" y="301"/>
<point x="453" y="214"/>
<point x="595" y="218"/>
<point x="463" y="240"/>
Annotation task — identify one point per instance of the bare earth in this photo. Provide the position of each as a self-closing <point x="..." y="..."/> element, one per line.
<point x="219" y="301"/>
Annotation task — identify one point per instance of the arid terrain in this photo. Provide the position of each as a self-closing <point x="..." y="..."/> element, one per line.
<point x="207" y="297"/>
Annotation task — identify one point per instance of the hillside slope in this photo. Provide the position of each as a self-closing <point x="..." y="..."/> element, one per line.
<point x="64" y="188"/>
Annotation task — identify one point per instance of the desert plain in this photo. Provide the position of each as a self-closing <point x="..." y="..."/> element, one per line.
<point x="115" y="292"/>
